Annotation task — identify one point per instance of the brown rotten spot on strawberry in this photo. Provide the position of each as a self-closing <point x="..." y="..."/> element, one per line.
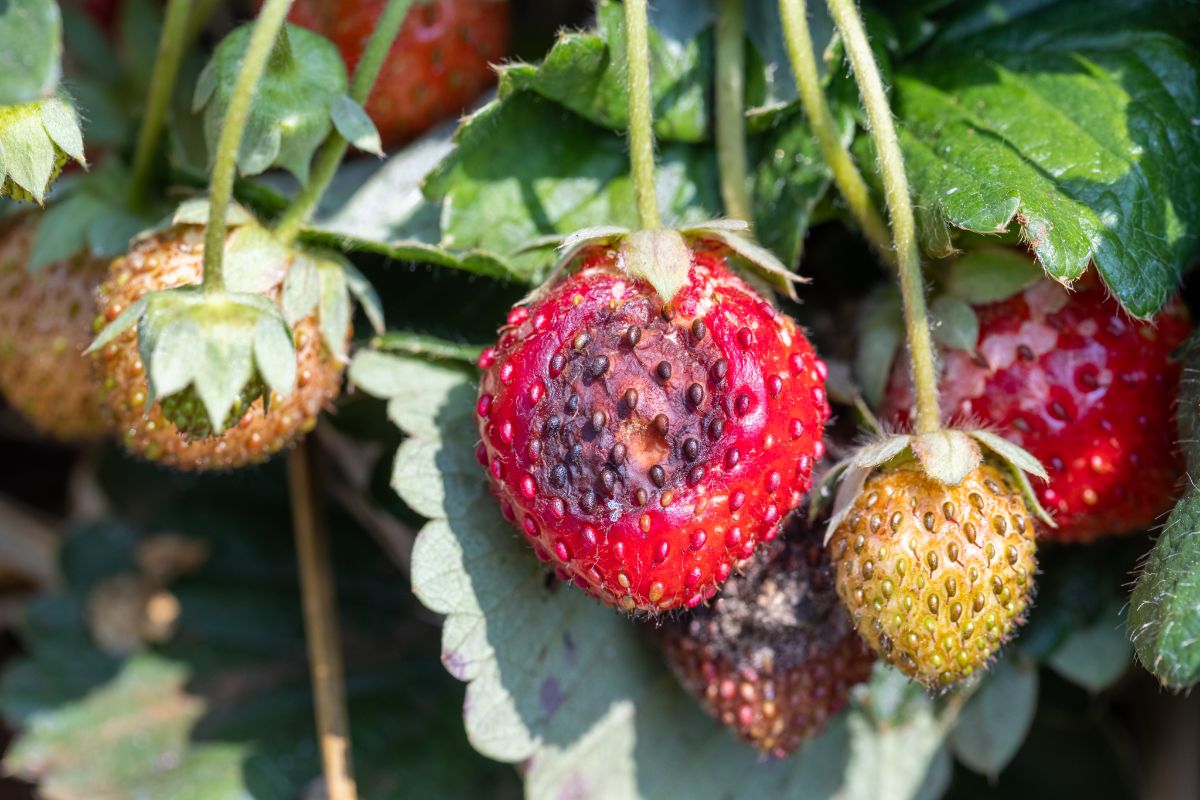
<point x="775" y="656"/>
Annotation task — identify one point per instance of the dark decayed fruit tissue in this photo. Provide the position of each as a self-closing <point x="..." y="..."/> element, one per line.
<point x="45" y="324"/>
<point x="1086" y="389"/>
<point x="174" y="258"/>
<point x="936" y="577"/>
<point x="775" y="656"/>
<point x="438" y="65"/>
<point x="646" y="449"/>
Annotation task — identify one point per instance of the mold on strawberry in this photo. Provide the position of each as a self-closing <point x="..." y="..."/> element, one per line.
<point x="774" y="656"/>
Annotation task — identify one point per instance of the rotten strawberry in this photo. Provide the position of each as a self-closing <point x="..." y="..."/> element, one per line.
<point x="646" y="447"/>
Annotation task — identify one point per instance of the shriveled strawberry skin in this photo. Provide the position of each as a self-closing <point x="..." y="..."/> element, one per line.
<point x="645" y="450"/>
<point x="45" y="325"/>
<point x="775" y="656"/>
<point x="1086" y="389"/>
<point x="438" y="65"/>
<point x="174" y="258"/>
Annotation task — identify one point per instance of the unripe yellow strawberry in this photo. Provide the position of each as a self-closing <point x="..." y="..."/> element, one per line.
<point x="45" y="324"/>
<point x="936" y="577"/>
<point x="174" y="258"/>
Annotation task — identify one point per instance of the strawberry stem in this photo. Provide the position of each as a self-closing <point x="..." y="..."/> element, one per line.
<point x="171" y="46"/>
<point x="731" y="115"/>
<point x="641" y="131"/>
<point x="847" y="178"/>
<point x="334" y="149"/>
<point x="321" y="627"/>
<point x="899" y="203"/>
<point x="262" y="44"/>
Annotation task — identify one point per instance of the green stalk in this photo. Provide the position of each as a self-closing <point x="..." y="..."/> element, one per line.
<point x="171" y="46"/>
<point x="731" y="114"/>
<point x="429" y="346"/>
<point x="899" y="203"/>
<point x="641" y="132"/>
<point x="850" y="183"/>
<point x="262" y="43"/>
<point x="334" y="149"/>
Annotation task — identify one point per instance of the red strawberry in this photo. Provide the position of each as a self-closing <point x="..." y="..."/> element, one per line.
<point x="646" y="449"/>
<point x="438" y="65"/>
<point x="775" y="656"/>
<point x="1083" y="387"/>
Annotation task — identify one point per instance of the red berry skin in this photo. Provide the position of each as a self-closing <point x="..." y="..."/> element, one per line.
<point x="1082" y="386"/>
<point x="646" y="473"/>
<point x="438" y="65"/>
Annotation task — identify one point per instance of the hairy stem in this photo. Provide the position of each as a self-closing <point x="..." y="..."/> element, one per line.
<point x="321" y="627"/>
<point x="731" y="114"/>
<point x="262" y="43"/>
<point x="171" y="46"/>
<point x="641" y="131"/>
<point x="334" y="149"/>
<point x="420" y="345"/>
<point x="899" y="203"/>
<point x="847" y="178"/>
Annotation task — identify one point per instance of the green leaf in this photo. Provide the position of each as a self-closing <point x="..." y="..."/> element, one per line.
<point x="222" y="710"/>
<point x="525" y="168"/>
<point x="1077" y="122"/>
<point x="354" y="125"/>
<point x="897" y="750"/>
<point x="953" y="323"/>
<point x="788" y="179"/>
<point x="585" y="71"/>
<point x="64" y="228"/>
<point x="30" y="49"/>
<point x="880" y="335"/>
<point x="988" y="274"/>
<point x="995" y="721"/>
<point x="1096" y="656"/>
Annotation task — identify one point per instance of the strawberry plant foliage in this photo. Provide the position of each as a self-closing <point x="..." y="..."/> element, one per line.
<point x="1073" y="121"/>
<point x="219" y="710"/>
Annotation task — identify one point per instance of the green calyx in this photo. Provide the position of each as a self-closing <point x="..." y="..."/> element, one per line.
<point x="323" y="282"/>
<point x="36" y="139"/>
<point x="947" y="455"/>
<point x="299" y="99"/>
<point x="663" y="257"/>
<point x="215" y="351"/>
